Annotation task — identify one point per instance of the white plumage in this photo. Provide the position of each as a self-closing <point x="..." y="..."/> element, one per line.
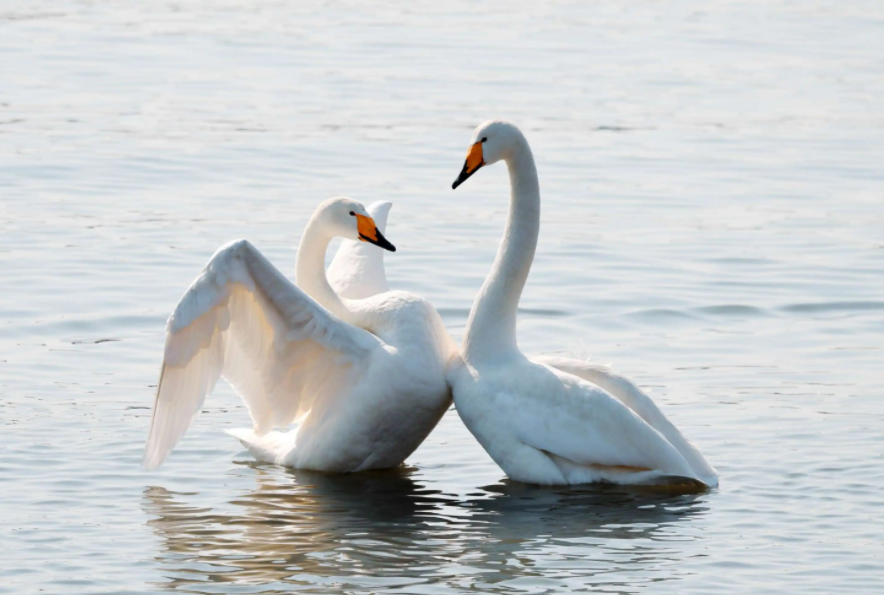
<point x="551" y="420"/>
<point x="365" y="378"/>
<point x="357" y="270"/>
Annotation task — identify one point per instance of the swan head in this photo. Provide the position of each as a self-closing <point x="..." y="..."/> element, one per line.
<point x="492" y="141"/>
<point x="343" y="217"/>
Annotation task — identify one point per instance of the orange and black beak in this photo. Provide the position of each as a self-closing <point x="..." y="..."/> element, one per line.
<point x="368" y="232"/>
<point x="471" y="165"/>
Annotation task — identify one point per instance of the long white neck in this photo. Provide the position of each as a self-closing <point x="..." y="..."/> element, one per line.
<point x="310" y="269"/>
<point x="491" y="328"/>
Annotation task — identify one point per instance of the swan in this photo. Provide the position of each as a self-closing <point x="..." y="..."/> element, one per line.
<point x="364" y="377"/>
<point x="357" y="270"/>
<point x="551" y="420"/>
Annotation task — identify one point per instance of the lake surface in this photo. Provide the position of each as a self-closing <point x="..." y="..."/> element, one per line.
<point x="713" y="226"/>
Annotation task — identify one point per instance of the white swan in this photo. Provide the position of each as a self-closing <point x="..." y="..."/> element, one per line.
<point x="553" y="420"/>
<point x="357" y="270"/>
<point x="365" y="377"/>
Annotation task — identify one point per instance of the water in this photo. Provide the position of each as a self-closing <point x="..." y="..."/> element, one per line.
<point x="713" y="225"/>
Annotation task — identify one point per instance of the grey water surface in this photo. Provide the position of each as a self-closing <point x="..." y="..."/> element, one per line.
<point x="713" y="226"/>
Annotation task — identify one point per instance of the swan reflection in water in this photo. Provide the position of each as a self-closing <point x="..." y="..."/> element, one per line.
<point x="385" y="530"/>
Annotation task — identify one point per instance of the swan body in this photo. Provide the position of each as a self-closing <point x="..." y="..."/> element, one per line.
<point x="551" y="420"/>
<point x="364" y="378"/>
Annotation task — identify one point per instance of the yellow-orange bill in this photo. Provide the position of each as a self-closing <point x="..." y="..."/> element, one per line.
<point x="368" y="232"/>
<point x="367" y="228"/>
<point x="475" y="160"/>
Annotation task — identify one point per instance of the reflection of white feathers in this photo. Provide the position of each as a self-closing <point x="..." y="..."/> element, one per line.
<point x="365" y="378"/>
<point x="553" y="420"/>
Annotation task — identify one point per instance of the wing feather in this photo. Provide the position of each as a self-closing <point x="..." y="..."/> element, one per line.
<point x="597" y="432"/>
<point x="244" y="321"/>
<point x="640" y="403"/>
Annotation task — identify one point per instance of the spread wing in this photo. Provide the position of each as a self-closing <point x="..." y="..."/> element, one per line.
<point x="633" y="397"/>
<point x="357" y="270"/>
<point x="279" y="349"/>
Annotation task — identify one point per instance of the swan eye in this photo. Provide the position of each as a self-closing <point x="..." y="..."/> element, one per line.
<point x="352" y="214"/>
<point x="484" y="138"/>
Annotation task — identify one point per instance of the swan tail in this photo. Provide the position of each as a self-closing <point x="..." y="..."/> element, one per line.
<point x="272" y="447"/>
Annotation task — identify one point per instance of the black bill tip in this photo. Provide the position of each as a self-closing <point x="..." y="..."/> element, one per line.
<point x="380" y="242"/>
<point x="463" y="176"/>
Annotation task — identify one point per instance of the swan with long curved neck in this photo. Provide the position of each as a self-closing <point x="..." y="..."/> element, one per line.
<point x="365" y="378"/>
<point x="551" y="420"/>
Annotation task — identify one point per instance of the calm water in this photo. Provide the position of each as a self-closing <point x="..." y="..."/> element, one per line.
<point x="713" y="225"/>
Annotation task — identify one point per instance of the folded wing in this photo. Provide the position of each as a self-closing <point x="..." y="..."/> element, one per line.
<point x="640" y="403"/>
<point x="244" y="321"/>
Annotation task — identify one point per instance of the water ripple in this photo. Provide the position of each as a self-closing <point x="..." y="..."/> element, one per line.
<point x="711" y="225"/>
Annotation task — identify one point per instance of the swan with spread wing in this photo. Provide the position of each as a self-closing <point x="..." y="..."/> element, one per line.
<point x="363" y="377"/>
